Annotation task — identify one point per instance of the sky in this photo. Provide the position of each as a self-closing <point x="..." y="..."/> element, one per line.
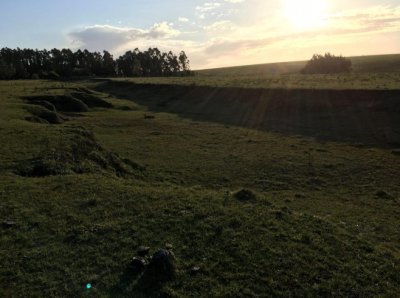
<point x="213" y="33"/>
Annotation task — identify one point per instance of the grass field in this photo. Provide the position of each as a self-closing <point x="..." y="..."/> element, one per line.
<point x="164" y="164"/>
<point x="387" y="81"/>
<point x="369" y="72"/>
<point x="361" y="64"/>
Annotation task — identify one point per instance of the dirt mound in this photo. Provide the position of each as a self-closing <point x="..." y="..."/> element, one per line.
<point x="46" y="104"/>
<point x="44" y="115"/>
<point x="92" y="101"/>
<point x="51" y="105"/>
<point x="79" y="154"/>
<point x="63" y="103"/>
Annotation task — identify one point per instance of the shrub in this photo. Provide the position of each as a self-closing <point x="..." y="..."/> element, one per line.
<point x="327" y="64"/>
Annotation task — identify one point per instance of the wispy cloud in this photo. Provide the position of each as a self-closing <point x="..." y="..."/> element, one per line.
<point x="217" y="9"/>
<point x="377" y="18"/>
<point x="373" y="20"/>
<point x="208" y="6"/>
<point x="220" y="26"/>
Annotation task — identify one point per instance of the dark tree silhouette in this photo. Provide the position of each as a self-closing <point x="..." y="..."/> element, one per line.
<point x="7" y="71"/>
<point x="327" y="64"/>
<point x="108" y="64"/>
<point x="53" y="64"/>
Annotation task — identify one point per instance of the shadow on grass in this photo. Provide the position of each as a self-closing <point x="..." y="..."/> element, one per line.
<point x="368" y="117"/>
<point x="133" y="283"/>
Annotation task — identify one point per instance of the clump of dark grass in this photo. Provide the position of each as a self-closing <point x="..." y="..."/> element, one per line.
<point x="245" y="195"/>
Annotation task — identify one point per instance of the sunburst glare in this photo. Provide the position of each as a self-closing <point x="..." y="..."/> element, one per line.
<point x="306" y="14"/>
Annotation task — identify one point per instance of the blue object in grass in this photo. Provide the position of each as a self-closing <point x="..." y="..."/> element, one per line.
<point x="88" y="286"/>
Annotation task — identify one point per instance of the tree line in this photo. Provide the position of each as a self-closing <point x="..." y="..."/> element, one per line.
<point x="327" y="64"/>
<point x="43" y="64"/>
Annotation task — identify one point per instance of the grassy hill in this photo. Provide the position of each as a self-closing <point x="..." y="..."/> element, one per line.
<point x="367" y="81"/>
<point x="90" y="171"/>
<point x="369" y="73"/>
<point x="361" y="64"/>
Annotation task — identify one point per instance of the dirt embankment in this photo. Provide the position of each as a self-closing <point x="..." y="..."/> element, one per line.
<point x="368" y="117"/>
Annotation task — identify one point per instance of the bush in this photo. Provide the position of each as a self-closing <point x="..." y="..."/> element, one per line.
<point x="327" y="64"/>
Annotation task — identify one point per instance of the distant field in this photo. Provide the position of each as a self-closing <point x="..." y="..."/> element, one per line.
<point x="370" y="72"/>
<point x="387" y="81"/>
<point x="361" y="64"/>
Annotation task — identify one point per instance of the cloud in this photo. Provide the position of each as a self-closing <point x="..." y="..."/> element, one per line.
<point x="223" y="47"/>
<point x="100" y="37"/>
<point x="378" y="18"/>
<point x="208" y="6"/>
<point x="183" y="19"/>
<point x="217" y="9"/>
<point x="235" y="1"/>
<point x="220" y="26"/>
<point x="161" y="30"/>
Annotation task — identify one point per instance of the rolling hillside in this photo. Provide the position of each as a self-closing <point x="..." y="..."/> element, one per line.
<point x="361" y="64"/>
<point x="300" y="204"/>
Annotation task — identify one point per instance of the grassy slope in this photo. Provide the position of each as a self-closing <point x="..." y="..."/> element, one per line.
<point x="361" y="64"/>
<point x="318" y="227"/>
<point x="370" y="72"/>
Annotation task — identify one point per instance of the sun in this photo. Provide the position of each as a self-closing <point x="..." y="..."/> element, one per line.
<point x="305" y="14"/>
